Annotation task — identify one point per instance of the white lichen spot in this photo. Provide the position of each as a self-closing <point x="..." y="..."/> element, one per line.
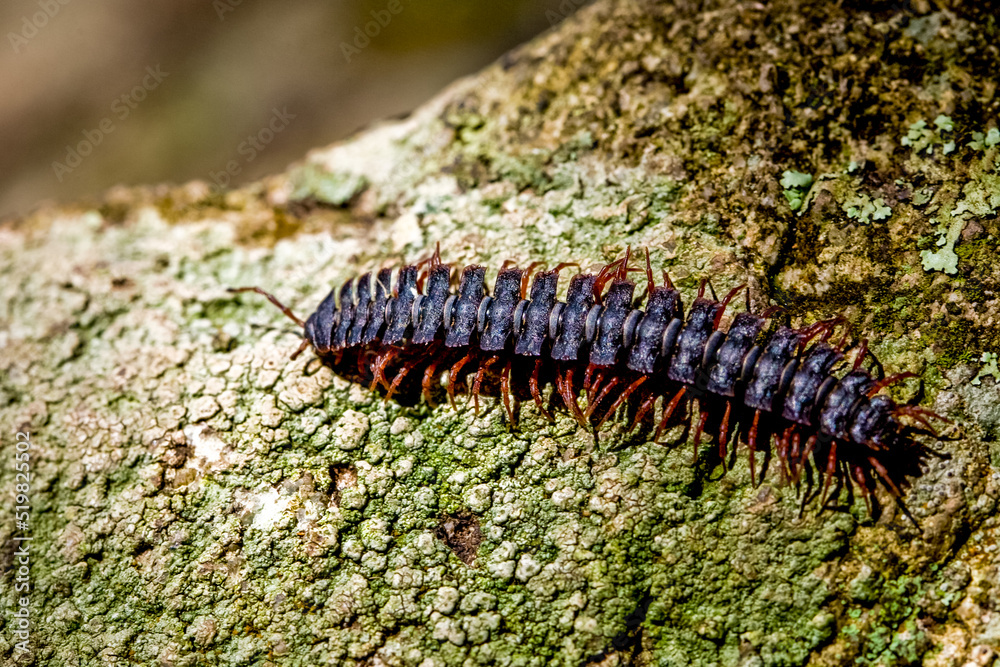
<point x="375" y="534"/>
<point x="406" y="231"/>
<point x="402" y="467"/>
<point x="406" y="577"/>
<point x="209" y="452"/>
<point x="425" y="497"/>
<point x="413" y="441"/>
<point x="203" y="408"/>
<point x="269" y="508"/>
<point x="527" y="567"/>
<point x="479" y="498"/>
<point x="401" y="425"/>
<point x="353" y="549"/>
<point x="372" y="562"/>
<point x="426" y="544"/>
<point x="563" y="498"/>
<point x="351" y="429"/>
<point x="501" y="562"/>
<point x="446" y="599"/>
<point x="449" y="630"/>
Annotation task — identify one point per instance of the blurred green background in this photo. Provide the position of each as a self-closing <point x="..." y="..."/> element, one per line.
<point x="224" y="67"/>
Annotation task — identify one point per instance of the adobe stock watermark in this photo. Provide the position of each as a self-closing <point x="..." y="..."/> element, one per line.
<point x="566" y="7"/>
<point x="223" y="7"/>
<point x="20" y="618"/>
<point x="121" y="108"/>
<point x="363" y="37"/>
<point x="251" y="147"/>
<point x="30" y="25"/>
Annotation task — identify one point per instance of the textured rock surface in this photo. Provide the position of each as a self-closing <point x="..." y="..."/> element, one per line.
<point x="200" y="499"/>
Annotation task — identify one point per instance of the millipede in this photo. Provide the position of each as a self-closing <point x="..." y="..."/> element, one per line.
<point x="796" y="394"/>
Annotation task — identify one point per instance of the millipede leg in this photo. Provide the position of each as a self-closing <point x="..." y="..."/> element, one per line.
<point x="724" y="304"/>
<point x="480" y="374"/>
<point x="644" y="407"/>
<point x="752" y="445"/>
<point x="667" y="411"/>
<point x="810" y="444"/>
<point x="884" y="474"/>
<point x="885" y="382"/>
<point x="600" y="397"/>
<point x="270" y="297"/>
<point x="381" y="363"/>
<point x="453" y="377"/>
<point x="621" y="399"/>
<point x="505" y="393"/>
<point x="724" y="434"/>
<point x="831" y="469"/>
<point x="536" y="394"/>
<point x="302" y="348"/>
<point x="697" y="433"/>
<point x="794" y="461"/>
<point x="425" y="384"/>
<point x="782" y="451"/>
<point x="921" y="415"/>
<point x="858" y="474"/>
<point x="396" y="381"/>
<point x="568" y="395"/>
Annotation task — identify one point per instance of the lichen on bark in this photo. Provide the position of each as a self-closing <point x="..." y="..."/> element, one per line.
<point x="198" y="498"/>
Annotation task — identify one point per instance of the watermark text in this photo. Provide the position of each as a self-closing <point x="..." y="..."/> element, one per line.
<point x="121" y="108"/>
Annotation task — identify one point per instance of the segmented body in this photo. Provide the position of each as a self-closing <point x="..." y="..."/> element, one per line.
<point x="779" y="390"/>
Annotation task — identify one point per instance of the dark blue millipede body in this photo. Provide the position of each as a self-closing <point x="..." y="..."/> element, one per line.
<point x="756" y="381"/>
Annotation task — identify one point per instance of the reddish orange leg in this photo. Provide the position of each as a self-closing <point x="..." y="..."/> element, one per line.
<point x="697" y="433"/>
<point x="668" y="411"/>
<point x="302" y="348"/>
<point x="810" y="444"/>
<point x="752" y="445"/>
<point x="381" y="363"/>
<point x="891" y="380"/>
<point x="858" y="475"/>
<point x="480" y="374"/>
<point x="884" y="474"/>
<point x="831" y="470"/>
<point x="429" y="375"/>
<point x="593" y="388"/>
<point x="862" y="353"/>
<point x="621" y="399"/>
<point x="793" y="458"/>
<point x="724" y="434"/>
<point x="650" y="284"/>
<point x="396" y="381"/>
<point x="644" y="407"/>
<point x="921" y="416"/>
<point x="453" y="377"/>
<point x="270" y="297"/>
<point x="782" y="451"/>
<point x="505" y="393"/>
<point x="526" y="276"/>
<point x="535" y="393"/>
<point x="600" y="397"/>
<point x="568" y="397"/>
<point x="725" y="303"/>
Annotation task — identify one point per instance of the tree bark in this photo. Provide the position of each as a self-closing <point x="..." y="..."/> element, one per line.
<point x="198" y="498"/>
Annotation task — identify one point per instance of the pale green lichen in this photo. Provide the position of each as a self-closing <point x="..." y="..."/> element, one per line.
<point x="922" y="138"/>
<point x="989" y="369"/>
<point x="981" y="141"/>
<point x="796" y="186"/>
<point x="861" y="207"/>
<point x="944" y="259"/>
